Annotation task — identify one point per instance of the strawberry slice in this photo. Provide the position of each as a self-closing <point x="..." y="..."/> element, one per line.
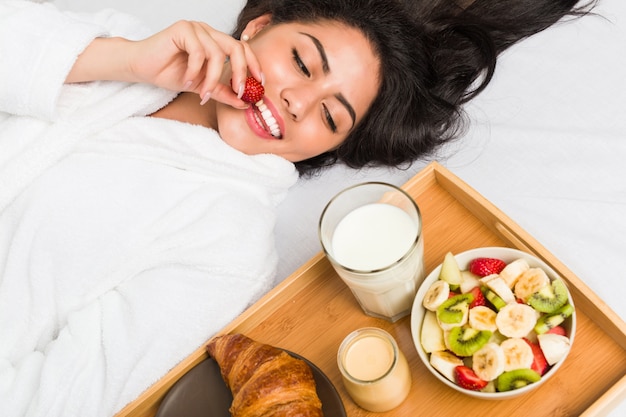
<point x="540" y="364"/>
<point x="253" y="91"/>
<point x="486" y="266"/>
<point x="558" y="330"/>
<point x="466" y="378"/>
<point x="479" y="298"/>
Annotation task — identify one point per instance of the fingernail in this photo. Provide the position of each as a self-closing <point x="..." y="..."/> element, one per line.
<point x="205" y="98"/>
<point x="242" y="86"/>
<point x="262" y="79"/>
<point x="187" y="85"/>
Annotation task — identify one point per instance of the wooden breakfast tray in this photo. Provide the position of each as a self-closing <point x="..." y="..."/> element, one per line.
<point x="312" y="311"/>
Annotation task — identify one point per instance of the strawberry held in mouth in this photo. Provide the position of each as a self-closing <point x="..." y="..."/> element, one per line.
<point x="253" y="91"/>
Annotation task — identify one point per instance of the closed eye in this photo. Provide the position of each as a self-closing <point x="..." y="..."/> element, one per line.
<point x="303" y="68"/>
<point x="329" y="119"/>
<point x="299" y="63"/>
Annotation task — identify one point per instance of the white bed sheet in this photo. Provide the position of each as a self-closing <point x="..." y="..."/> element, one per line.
<point x="547" y="144"/>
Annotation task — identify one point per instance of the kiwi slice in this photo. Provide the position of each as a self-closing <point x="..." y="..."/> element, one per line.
<point x="465" y="341"/>
<point x="454" y="308"/>
<point x="519" y="378"/>
<point x="493" y="298"/>
<point x="550" y="298"/>
<point x="548" y="321"/>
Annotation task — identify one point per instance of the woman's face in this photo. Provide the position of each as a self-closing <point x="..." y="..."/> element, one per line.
<point x="320" y="80"/>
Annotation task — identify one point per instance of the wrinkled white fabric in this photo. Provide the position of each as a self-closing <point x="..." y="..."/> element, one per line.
<point x="125" y="241"/>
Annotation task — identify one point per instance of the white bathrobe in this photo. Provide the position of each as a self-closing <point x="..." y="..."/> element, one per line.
<point x="125" y="241"/>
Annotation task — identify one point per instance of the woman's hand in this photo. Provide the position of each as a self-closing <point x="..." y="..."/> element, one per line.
<point x="190" y="56"/>
<point x="187" y="56"/>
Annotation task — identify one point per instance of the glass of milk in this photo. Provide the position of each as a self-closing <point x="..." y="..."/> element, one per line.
<point x="372" y="235"/>
<point x="373" y="369"/>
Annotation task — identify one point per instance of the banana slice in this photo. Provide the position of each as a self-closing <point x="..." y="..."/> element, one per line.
<point x="530" y="282"/>
<point x="436" y="294"/>
<point x="446" y="339"/>
<point x="445" y="362"/>
<point x="482" y="318"/>
<point x="516" y="320"/>
<point x="496" y="284"/>
<point x="488" y="362"/>
<point x="513" y="271"/>
<point x="517" y="354"/>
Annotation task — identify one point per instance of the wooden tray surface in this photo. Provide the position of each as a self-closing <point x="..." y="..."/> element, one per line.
<point x="312" y="311"/>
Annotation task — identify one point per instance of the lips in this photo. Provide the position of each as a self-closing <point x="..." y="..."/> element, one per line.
<point x="262" y="119"/>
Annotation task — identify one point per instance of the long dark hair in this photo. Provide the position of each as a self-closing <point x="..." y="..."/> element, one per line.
<point x="435" y="56"/>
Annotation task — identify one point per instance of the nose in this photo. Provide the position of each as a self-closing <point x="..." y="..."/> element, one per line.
<point x="299" y="101"/>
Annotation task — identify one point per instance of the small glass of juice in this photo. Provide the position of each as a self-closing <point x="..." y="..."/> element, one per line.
<point x="374" y="371"/>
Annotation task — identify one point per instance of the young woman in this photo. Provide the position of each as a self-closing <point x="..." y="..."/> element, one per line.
<point x="139" y="191"/>
<point x="435" y="55"/>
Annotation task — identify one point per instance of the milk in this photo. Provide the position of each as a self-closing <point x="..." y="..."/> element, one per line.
<point x="375" y="372"/>
<point x="373" y="237"/>
<point x="377" y="249"/>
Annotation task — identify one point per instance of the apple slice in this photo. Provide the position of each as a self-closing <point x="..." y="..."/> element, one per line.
<point x="554" y="346"/>
<point x="450" y="271"/>
<point x="469" y="281"/>
<point x="432" y="334"/>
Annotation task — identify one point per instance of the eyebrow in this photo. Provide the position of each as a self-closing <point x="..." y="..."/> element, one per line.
<point x="326" y="70"/>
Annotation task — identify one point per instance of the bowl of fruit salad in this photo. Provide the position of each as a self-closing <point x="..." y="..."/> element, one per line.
<point x="493" y="322"/>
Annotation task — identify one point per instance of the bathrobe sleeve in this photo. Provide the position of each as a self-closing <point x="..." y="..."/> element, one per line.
<point x="41" y="118"/>
<point x="38" y="46"/>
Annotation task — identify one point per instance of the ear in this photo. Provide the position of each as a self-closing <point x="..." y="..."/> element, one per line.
<point x="255" y="25"/>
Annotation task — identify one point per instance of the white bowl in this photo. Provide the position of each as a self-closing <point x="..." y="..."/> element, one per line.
<point x="463" y="259"/>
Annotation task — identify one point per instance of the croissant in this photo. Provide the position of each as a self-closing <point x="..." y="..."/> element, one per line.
<point x="265" y="381"/>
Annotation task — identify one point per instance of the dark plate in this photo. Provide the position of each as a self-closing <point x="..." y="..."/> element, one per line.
<point x="201" y="392"/>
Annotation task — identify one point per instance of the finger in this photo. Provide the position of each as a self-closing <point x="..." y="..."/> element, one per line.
<point x="186" y="40"/>
<point x="254" y="67"/>
<point x="243" y="61"/>
<point x="212" y="76"/>
<point x="234" y="56"/>
<point x="237" y="58"/>
<point x="213" y="57"/>
<point x="203" y="49"/>
<point x="224" y="94"/>
<point x="239" y="68"/>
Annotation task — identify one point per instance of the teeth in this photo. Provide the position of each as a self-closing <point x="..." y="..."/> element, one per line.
<point x="269" y="120"/>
